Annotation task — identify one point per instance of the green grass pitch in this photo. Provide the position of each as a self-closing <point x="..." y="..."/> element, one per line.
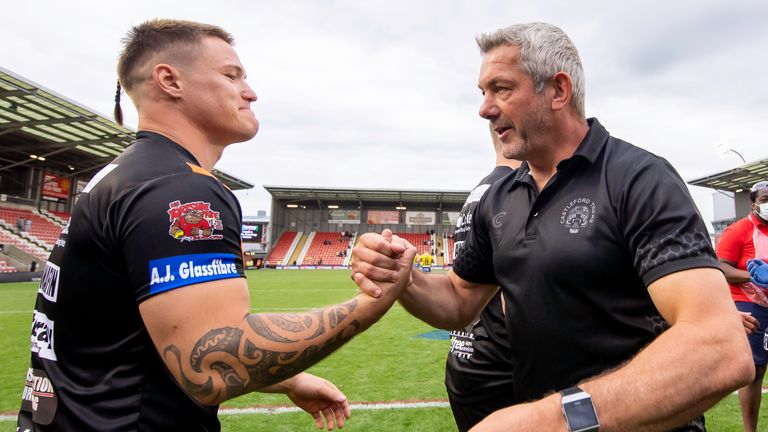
<point x="387" y="363"/>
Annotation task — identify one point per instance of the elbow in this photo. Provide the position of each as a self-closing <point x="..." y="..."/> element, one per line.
<point x="737" y="364"/>
<point x="210" y="393"/>
<point x="744" y="368"/>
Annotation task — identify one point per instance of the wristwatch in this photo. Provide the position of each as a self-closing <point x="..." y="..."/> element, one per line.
<point x="580" y="414"/>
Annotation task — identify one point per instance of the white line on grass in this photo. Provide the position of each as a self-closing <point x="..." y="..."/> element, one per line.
<point x="373" y="406"/>
<point x="355" y="407"/>
<point x="299" y="290"/>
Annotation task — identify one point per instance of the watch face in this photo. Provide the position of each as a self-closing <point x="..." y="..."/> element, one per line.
<point x="580" y="414"/>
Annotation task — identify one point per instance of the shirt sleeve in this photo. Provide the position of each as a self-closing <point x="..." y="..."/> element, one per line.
<point x="729" y="246"/>
<point x="661" y="223"/>
<point x="474" y="258"/>
<point x="159" y="254"/>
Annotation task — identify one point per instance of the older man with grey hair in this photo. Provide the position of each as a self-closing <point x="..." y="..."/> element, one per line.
<point x="619" y="317"/>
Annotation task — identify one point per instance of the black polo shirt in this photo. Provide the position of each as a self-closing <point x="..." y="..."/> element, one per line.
<point x="575" y="259"/>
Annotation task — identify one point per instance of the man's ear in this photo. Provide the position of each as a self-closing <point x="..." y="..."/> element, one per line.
<point x="167" y="79"/>
<point x="563" y="86"/>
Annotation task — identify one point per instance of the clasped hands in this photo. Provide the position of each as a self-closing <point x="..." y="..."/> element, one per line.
<point x="382" y="263"/>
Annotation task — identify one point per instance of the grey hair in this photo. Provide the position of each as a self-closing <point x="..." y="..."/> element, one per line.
<point x="544" y="51"/>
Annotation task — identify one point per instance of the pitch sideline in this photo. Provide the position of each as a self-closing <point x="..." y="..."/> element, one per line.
<point x="281" y="409"/>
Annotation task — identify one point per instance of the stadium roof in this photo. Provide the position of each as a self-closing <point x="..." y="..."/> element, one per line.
<point x="297" y="194"/>
<point x="46" y="130"/>
<point x="737" y="179"/>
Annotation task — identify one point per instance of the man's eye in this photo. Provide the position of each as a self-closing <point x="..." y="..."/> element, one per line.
<point x="231" y="76"/>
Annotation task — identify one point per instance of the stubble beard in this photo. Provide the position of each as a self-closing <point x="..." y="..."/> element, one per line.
<point x="527" y="135"/>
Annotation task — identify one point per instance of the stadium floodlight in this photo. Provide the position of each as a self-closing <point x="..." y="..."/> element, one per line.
<point x="333" y="206"/>
<point x="400" y="207"/>
<point x="724" y="147"/>
<point x="292" y="205"/>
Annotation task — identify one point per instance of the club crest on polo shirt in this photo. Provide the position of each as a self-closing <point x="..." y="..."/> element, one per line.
<point x="194" y="221"/>
<point x="578" y="214"/>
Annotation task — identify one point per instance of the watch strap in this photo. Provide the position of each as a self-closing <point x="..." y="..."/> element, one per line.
<point x="572" y="390"/>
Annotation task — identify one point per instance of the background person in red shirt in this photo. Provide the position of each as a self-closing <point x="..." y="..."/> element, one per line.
<point x="742" y="241"/>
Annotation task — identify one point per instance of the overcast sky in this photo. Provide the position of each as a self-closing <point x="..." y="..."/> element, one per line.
<point x="383" y="94"/>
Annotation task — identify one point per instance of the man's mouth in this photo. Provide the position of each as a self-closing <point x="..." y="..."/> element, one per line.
<point x="501" y="129"/>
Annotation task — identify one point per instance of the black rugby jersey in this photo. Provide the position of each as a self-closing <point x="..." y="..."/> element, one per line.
<point x="575" y="259"/>
<point x="479" y="364"/>
<point x="151" y="221"/>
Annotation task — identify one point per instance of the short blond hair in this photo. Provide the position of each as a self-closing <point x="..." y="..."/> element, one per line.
<point x="158" y="35"/>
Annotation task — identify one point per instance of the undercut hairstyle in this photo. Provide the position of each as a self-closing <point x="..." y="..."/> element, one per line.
<point x="157" y="36"/>
<point x="176" y="38"/>
<point x="544" y="51"/>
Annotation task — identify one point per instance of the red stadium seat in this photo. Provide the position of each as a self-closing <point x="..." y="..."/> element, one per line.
<point x="282" y="246"/>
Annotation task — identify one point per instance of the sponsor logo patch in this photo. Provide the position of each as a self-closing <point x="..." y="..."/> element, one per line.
<point x="498" y="220"/>
<point x="42" y="336"/>
<point x="177" y="271"/>
<point x="462" y="344"/>
<point x="578" y="214"/>
<point x="38" y="397"/>
<point x="49" y="283"/>
<point x="194" y="221"/>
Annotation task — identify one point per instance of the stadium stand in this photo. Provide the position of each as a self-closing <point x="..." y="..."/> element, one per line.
<point x="8" y="237"/>
<point x="60" y="218"/>
<point x="448" y="250"/>
<point x="326" y="248"/>
<point x="421" y="241"/>
<point x="5" y="268"/>
<point x="41" y="231"/>
<point x="284" y="247"/>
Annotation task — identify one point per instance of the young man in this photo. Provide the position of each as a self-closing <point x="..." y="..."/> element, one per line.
<point x="478" y="371"/>
<point x="139" y="326"/>
<point x="617" y="305"/>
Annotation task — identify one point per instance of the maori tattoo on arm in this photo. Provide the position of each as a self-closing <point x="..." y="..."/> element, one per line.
<point x="227" y="362"/>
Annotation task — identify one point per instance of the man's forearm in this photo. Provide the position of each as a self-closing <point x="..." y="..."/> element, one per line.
<point x="652" y="392"/>
<point x="734" y="275"/>
<point x="268" y="348"/>
<point x="434" y="299"/>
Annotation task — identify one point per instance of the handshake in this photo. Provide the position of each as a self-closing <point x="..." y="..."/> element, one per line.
<point x="758" y="271"/>
<point x="382" y="263"/>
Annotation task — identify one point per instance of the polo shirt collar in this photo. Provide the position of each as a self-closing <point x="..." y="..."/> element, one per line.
<point x="589" y="149"/>
<point x="186" y="154"/>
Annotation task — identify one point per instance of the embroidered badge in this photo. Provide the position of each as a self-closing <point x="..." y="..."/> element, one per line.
<point x="578" y="214"/>
<point x="194" y="221"/>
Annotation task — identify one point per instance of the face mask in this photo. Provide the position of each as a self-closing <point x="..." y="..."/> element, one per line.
<point x="762" y="210"/>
